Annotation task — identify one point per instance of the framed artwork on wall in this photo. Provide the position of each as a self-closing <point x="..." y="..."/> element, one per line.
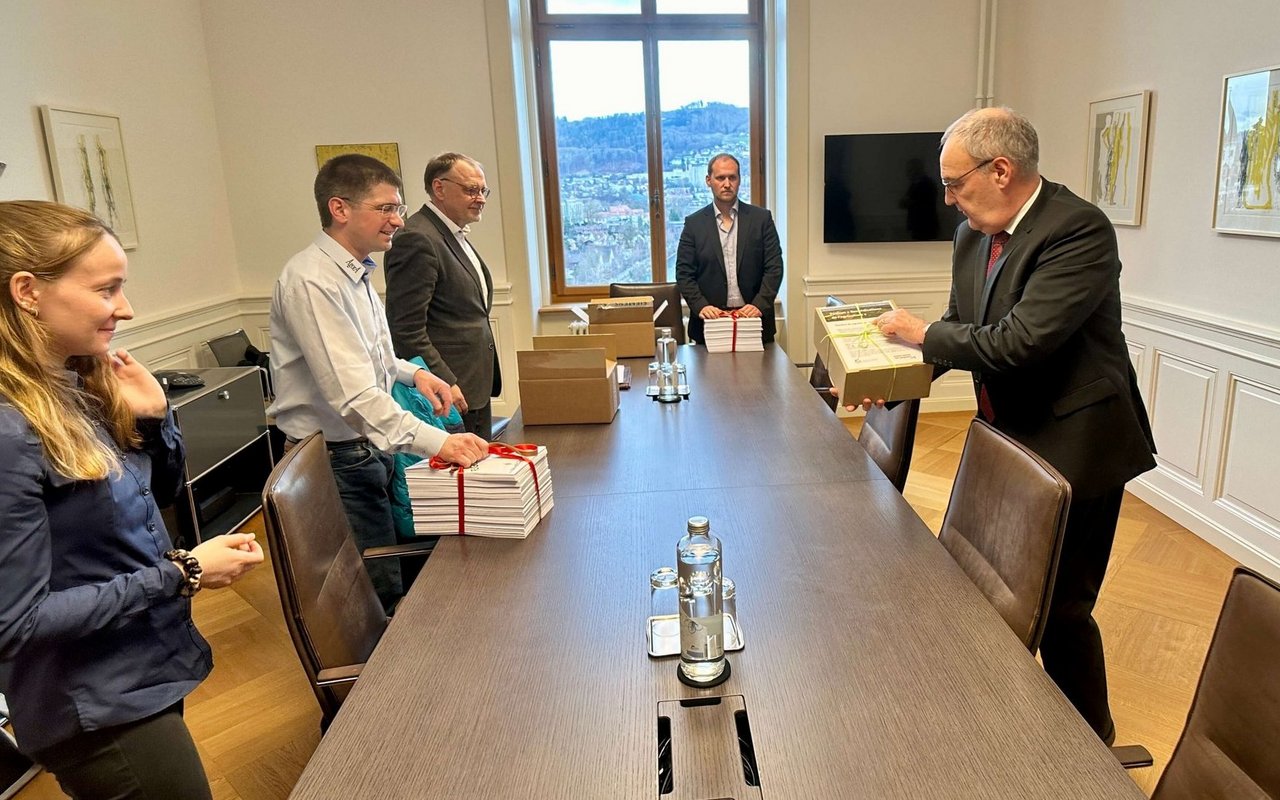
<point x="1116" y="162"/>
<point x="86" y="158"/>
<point x="1248" y="185"/>
<point x="386" y="152"/>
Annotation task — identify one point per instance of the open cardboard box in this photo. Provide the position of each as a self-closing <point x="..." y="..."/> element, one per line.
<point x="629" y="318"/>
<point x="565" y="380"/>
<point x="862" y="361"/>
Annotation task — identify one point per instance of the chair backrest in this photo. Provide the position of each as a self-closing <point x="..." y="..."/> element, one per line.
<point x="889" y="435"/>
<point x="229" y="348"/>
<point x="333" y="613"/>
<point x="1004" y="526"/>
<point x="671" y="317"/>
<point x="820" y="380"/>
<point x="1230" y="743"/>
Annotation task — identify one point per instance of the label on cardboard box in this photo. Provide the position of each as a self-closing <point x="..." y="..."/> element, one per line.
<point x="862" y="361"/>
<point x="607" y="310"/>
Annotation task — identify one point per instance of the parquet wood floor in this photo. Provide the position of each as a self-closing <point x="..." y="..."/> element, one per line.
<point x="256" y="722"/>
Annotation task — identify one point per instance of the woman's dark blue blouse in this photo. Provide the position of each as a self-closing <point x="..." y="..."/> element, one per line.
<point x="90" y="617"/>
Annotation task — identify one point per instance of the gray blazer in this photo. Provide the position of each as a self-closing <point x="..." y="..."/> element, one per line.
<point x="435" y="308"/>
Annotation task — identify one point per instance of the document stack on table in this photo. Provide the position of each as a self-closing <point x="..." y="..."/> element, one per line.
<point x="733" y="334"/>
<point x="503" y="495"/>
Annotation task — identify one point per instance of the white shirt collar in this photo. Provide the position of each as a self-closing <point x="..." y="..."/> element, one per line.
<point x="733" y="210"/>
<point x="1022" y="212"/>
<point x="450" y="224"/>
<point x="354" y="269"/>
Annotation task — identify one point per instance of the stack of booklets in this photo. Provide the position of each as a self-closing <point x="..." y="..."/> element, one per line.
<point x="497" y="496"/>
<point x="732" y="334"/>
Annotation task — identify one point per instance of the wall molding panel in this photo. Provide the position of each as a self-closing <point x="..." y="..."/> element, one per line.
<point x="1212" y="387"/>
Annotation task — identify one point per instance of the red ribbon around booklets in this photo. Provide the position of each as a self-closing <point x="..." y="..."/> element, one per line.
<point x="518" y="452"/>
<point x="733" y="343"/>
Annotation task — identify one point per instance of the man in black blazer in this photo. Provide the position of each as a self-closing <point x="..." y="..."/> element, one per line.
<point x="1035" y="316"/>
<point x="729" y="239"/>
<point x="439" y="290"/>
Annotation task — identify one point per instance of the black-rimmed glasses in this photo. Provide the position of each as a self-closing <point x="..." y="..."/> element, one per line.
<point x="470" y="191"/>
<point x="954" y="183"/>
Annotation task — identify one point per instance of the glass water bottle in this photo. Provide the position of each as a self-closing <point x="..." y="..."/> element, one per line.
<point x="666" y="358"/>
<point x="701" y="620"/>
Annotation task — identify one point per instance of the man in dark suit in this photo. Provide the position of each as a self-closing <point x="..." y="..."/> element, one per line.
<point x="729" y="258"/>
<point x="1035" y="316"/>
<point x="439" y="290"/>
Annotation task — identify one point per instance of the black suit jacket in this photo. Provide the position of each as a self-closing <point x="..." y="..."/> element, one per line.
<point x="700" y="265"/>
<point x="435" y="308"/>
<point x="1043" y="335"/>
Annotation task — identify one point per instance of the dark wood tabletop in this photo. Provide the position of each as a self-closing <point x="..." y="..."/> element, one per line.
<point x="873" y="668"/>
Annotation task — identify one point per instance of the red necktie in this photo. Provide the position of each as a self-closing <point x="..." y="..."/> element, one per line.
<point x="997" y="247"/>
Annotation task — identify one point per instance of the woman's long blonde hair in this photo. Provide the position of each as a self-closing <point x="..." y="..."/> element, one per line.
<point x="46" y="239"/>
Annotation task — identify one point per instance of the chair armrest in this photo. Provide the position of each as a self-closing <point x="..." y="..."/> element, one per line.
<point x="338" y="675"/>
<point x="399" y="550"/>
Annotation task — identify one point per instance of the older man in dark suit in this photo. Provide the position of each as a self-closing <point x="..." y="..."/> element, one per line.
<point x="1035" y="316"/>
<point x="439" y="290"/>
<point x="729" y="258"/>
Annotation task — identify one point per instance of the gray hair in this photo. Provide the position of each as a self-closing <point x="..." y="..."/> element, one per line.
<point x="441" y="165"/>
<point x="987" y="133"/>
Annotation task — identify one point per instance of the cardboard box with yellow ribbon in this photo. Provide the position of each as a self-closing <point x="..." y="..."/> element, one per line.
<point x="862" y="361"/>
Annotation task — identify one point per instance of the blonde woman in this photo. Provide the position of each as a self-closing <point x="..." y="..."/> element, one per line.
<point x="95" y="608"/>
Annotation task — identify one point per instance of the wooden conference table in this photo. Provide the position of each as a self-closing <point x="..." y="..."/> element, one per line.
<point x="873" y="668"/>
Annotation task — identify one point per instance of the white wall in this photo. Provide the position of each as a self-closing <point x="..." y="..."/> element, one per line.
<point x="1202" y="309"/>
<point x="289" y="75"/>
<point x="145" y="62"/>
<point x="870" y="68"/>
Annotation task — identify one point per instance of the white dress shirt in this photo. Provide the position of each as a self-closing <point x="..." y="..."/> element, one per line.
<point x="332" y="362"/>
<point x="729" y="246"/>
<point x="461" y="235"/>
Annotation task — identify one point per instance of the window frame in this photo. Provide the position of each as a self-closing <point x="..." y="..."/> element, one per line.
<point x="647" y="27"/>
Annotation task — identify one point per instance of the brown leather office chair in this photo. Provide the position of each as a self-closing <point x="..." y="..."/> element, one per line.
<point x="1230" y="743"/>
<point x="334" y="616"/>
<point x="1004" y="527"/>
<point x="889" y="435"/>
<point x="671" y="317"/>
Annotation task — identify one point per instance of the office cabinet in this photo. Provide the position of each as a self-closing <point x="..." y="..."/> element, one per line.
<point x="224" y="427"/>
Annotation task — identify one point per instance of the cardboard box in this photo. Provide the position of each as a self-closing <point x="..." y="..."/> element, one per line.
<point x="628" y="318"/>
<point x="566" y="380"/>
<point x="862" y="361"/>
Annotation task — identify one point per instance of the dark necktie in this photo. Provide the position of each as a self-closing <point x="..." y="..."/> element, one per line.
<point x="997" y="247"/>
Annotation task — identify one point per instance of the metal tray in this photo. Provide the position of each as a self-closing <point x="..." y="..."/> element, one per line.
<point x="662" y="635"/>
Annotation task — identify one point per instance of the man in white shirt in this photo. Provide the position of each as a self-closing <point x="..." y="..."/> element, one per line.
<point x="332" y="361"/>
<point x="729" y="257"/>
<point x="439" y="290"/>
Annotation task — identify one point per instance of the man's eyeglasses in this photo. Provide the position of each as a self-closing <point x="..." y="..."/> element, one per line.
<point x="470" y="191"/>
<point x="954" y="183"/>
<point x="386" y="209"/>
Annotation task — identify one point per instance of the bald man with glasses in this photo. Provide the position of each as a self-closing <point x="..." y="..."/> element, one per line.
<point x="440" y="291"/>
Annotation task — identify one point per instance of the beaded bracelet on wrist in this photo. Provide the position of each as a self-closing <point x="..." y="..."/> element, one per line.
<point x="191" y="569"/>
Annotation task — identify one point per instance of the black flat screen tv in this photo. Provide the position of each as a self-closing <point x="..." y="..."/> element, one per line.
<point x="885" y="187"/>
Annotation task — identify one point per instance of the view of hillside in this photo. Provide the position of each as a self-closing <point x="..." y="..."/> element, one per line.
<point x="604" y="185"/>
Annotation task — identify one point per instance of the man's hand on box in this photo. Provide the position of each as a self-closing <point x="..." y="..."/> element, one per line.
<point x="902" y="324"/>
<point x="710" y="312"/>
<point x="867" y="402"/>
<point x="749" y="311"/>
